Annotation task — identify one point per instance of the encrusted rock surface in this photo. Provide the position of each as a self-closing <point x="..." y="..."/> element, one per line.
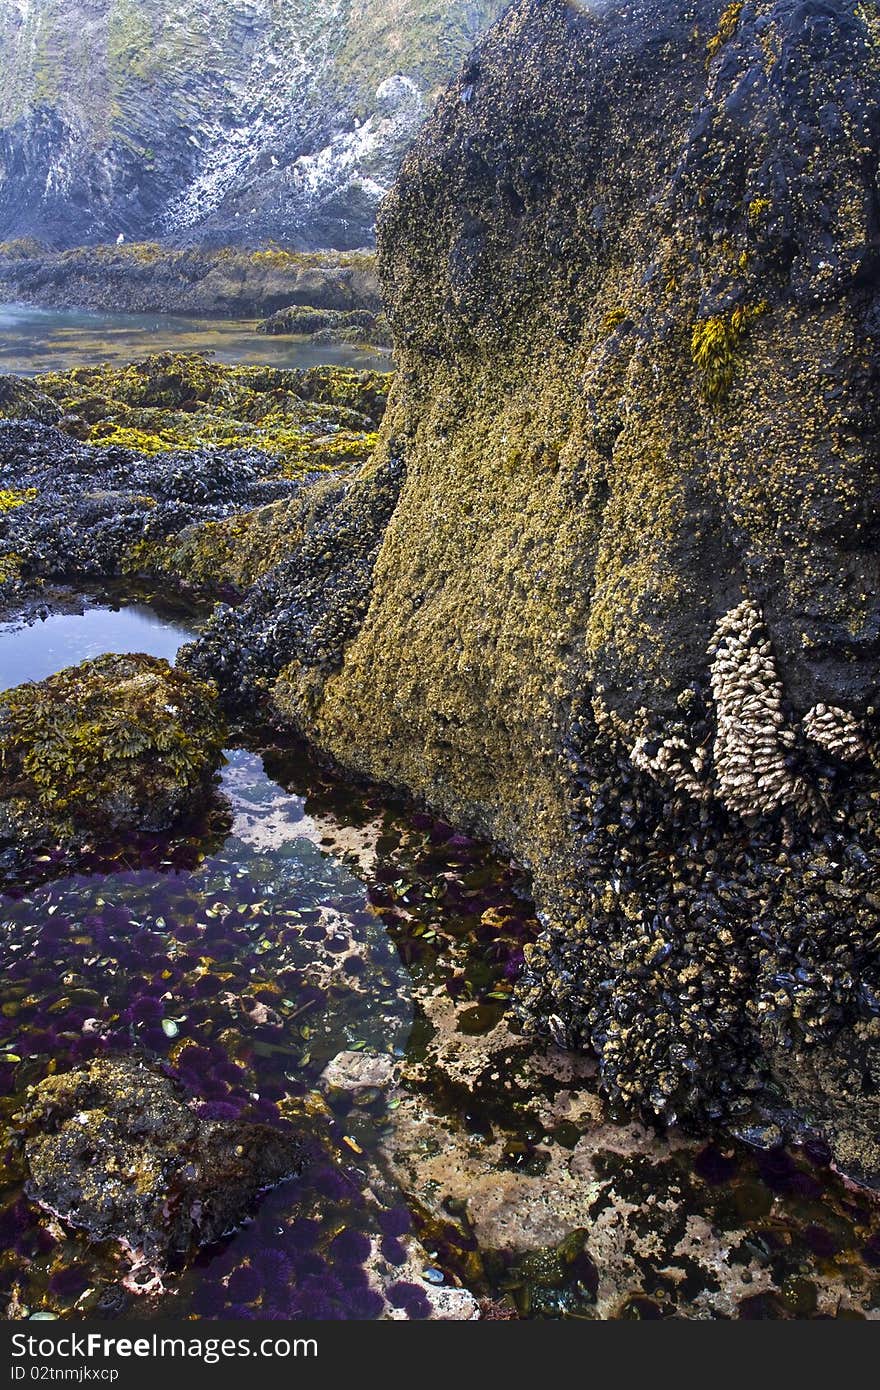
<point x="329" y="325"/>
<point x="627" y="556"/>
<point x="114" y="1149"/>
<point x="148" y="277"/>
<point x="118" y="743"/>
<point x="151" y="467"/>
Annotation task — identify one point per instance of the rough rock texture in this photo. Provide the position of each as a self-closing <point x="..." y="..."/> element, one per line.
<point x="118" y="743"/>
<point x="329" y="325"/>
<point x="144" y="277"/>
<point x="168" y="445"/>
<point x="114" y="1149"/>
<point x="237" y="121"/>
<point x="625" y="615"/>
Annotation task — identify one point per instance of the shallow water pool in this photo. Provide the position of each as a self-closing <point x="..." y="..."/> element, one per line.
<point x="317" y="955"/>
<point x="34" y="340"/>
<point x="30" y="652"/>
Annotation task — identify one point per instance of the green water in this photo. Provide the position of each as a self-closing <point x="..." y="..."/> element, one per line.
<point x="52" y="340"/>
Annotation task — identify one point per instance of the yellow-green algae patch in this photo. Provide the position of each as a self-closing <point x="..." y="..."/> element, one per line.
<point x="234" y="552"/>
<point x="118" y="742"/>
<point x="320" y="419"/>
<point x="13" y="497"/>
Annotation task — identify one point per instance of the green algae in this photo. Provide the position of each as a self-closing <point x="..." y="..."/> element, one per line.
<point x="121" y="741"/>
<point x="13" y="497"/>
<point x="727" y="27"/>
<point x="321" y="419"/>
<point x="715" y="344"/>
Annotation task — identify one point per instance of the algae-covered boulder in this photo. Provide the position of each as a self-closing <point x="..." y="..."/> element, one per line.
<point x="20" y="399"/>
<point x="114" y="1149"/>
<point x="624" y="616"/>
<point x="119" y="743"/>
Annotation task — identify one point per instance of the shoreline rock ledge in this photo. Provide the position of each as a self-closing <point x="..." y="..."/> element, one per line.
<point x="608" y="590"/>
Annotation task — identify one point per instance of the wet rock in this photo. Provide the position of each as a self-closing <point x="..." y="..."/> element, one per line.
<point x="356" y="1071"/>
<point x="114" y="1150"/>
<point x="146" y="277"/>
<point x="329" y="325"/>
<point x="153" y="466"/>
<point x="119" y="743"/>
<point x="20" y="399"/>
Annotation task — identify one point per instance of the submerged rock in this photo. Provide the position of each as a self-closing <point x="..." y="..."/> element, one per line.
<point x="620" y="610"/>
<point x="118" y="743"/>
<point x="114" y="1150"/>
<point x="329" y="325"/>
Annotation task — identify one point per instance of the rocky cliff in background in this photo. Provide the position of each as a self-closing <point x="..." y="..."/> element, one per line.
<point x="227" y="121"/>
<point x="609" y="591"/>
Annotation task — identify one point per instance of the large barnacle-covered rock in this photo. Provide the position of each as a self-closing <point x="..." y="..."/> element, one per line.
<point x="114" y="1149"/>
<point x="620" y="608"/>
<point x="118" y="743"/>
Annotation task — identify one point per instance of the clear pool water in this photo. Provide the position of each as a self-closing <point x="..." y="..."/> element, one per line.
<point x="34" y="340"/>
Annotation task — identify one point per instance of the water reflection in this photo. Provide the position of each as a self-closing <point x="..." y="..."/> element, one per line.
<point x="38" y="650"/>
<point x="36" y="340"/>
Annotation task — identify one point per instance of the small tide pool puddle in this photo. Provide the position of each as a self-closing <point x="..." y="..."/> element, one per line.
<point x="31" y="652"/>
<point x="242" y="961"/>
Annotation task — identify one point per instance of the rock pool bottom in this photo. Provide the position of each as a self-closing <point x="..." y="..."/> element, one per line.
<point x="324" y="955"/>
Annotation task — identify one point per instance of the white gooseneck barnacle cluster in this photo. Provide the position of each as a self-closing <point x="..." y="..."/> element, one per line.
<point x="837" y="731"/>
<point x="748" y="768"/>
<point x="752" y="740"/>
<point x="673" y="758"/>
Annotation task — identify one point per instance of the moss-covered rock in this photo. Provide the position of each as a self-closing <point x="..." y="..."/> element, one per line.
<point x="153" y="467"/>
<point x="216" y="282"/>
<point x="624" y="615"/>
<point x="115" y="1150"/>
<point x="329" y="325"/>
<point x="321" y="418"/>
<point x="118" y="743"/>
<point x="20" y="399"/>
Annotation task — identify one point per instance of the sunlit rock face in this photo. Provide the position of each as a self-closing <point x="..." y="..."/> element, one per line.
<point x="624" y="615"/>
<point x="232" y="121"/>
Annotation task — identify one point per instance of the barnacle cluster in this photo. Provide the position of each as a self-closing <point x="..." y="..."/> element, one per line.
<point x="753" y="744"/>
<point x="750" y="761"/>
<point x="837" y="731"/>
<point x="673" y="758"/>
<point x="699" y="964"/>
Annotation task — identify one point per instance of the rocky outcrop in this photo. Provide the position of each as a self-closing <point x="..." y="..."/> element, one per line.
<point x="235" y="123"/>
<point x="144" y="277"/>
<point x="624" y="617"/>
<point x="162" y="454"/>
<point x="119" y="743"/>
<point x="329" y="325"/>
<point x="114" y="1150"/>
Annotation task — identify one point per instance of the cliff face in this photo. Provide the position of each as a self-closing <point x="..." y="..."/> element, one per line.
<point x="624" y="617"/>
<point x="232" y="122"/>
